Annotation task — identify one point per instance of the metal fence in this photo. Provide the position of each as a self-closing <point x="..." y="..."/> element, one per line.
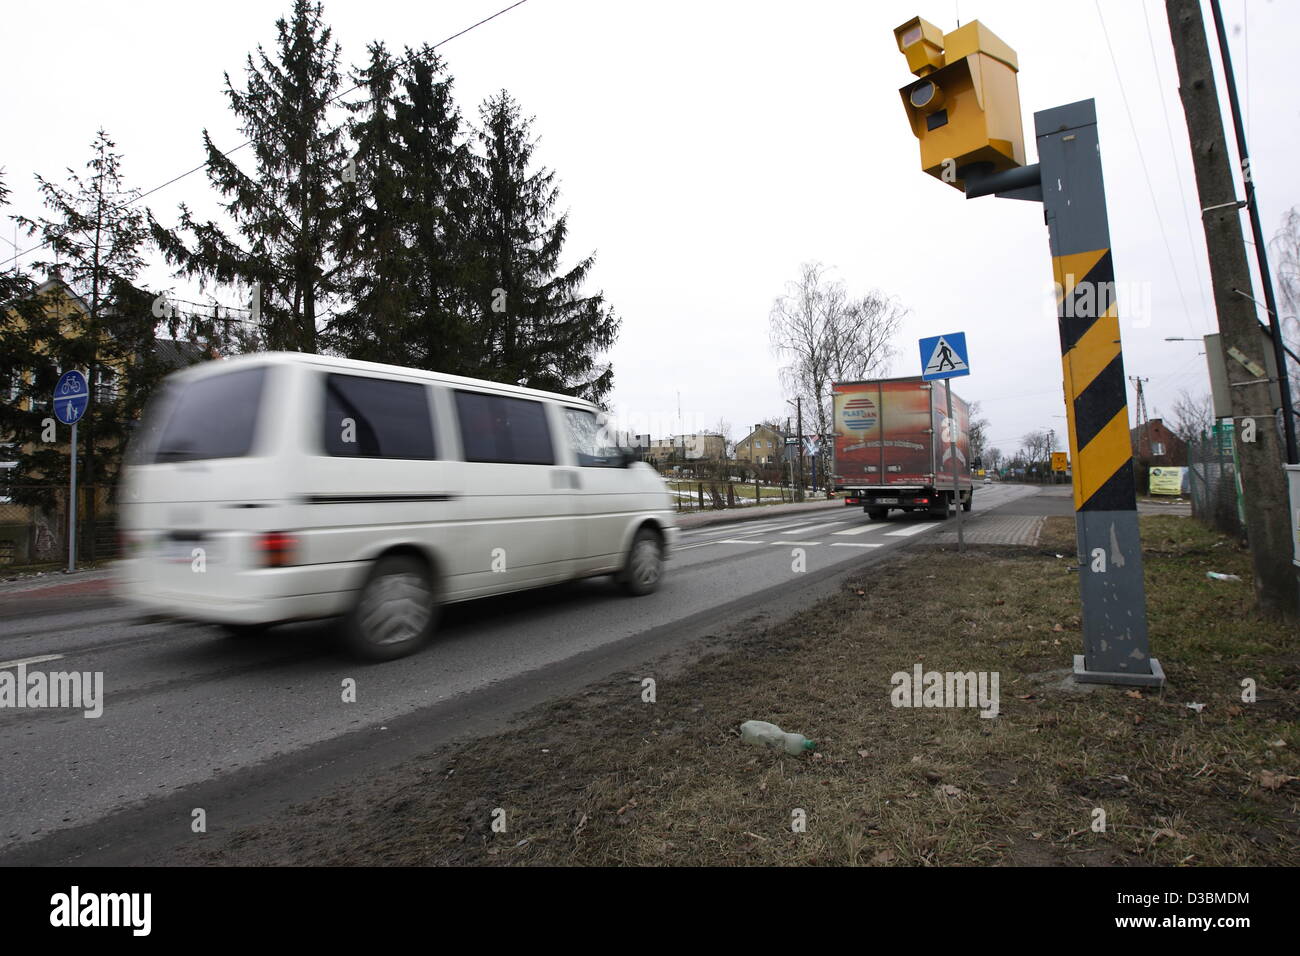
<point x="1213" y="481"/>
<point x="38" y="534"/>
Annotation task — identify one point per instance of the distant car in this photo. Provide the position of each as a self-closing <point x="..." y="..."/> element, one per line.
<point x="988" y="481"/>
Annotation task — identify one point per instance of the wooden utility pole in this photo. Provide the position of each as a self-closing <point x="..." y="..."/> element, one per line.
<point x="1257" y="430"/>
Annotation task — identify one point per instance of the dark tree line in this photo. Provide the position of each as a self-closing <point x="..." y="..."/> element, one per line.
<point x="377" y="223"/>
<point x="373" y="222"/>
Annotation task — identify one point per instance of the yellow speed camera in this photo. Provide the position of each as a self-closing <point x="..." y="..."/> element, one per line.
<point x="965" y="107"/>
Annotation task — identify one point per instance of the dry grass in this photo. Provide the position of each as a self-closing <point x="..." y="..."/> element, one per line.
<point x="605" y="778"/>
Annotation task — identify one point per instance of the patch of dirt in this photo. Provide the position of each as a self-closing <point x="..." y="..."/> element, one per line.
<point x="609" y="778"/>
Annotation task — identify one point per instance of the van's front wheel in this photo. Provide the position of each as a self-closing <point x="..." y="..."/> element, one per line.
<point x="645" y="564"/>
<point x="395" y="612"/>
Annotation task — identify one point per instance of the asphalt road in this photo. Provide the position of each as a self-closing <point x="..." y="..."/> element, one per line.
<point x="240" y="727"/>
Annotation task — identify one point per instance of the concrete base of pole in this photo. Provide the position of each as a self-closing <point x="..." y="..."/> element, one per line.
<point x="1084" y="676"/>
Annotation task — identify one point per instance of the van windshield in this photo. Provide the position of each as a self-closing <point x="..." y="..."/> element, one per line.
<point x="212" y="417"/>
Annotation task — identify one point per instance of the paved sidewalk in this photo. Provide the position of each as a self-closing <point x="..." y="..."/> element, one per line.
<point x="1020" y="530"/>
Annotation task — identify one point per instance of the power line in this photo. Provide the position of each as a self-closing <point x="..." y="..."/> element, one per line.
<point x="1201" y="281"/>
<point x="1145" y="172"/>
<point x="226" y="154"/>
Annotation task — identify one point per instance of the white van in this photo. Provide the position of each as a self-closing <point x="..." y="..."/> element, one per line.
<point x="281" y="486"/>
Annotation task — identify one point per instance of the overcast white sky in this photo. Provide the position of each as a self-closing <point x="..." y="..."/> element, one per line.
<point x="706" y="149"/>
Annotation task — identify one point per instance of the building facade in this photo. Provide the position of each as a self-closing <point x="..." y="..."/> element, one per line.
<point x="764" y="445"/>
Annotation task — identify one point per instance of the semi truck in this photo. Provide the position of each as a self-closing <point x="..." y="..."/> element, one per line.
<point x="894" y="446"/>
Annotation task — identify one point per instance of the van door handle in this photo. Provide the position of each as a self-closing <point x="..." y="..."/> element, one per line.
<point x="565" y="478"/>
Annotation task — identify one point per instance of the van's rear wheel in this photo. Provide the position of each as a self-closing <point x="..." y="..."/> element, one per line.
<point x="645" y="564"/>
<point x="395" y="612"/>
<point x="878" y="514"/>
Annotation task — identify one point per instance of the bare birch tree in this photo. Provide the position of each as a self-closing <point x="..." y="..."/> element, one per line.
<point x="824" y="335"/>
<point x="1193" y="415"/>
<point x="1286" y="255"/>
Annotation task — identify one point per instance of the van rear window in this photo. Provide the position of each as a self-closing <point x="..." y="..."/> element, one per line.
<point x="211" y="417"/>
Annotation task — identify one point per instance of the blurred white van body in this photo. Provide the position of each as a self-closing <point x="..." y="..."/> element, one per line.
<point x="283" y="486"/>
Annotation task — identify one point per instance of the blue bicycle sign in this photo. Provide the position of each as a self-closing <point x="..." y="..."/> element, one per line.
<point x="71" y="397"/>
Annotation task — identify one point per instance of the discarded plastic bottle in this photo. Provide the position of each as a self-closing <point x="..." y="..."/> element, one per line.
<point x="1215" y="575"/>
<point x="762" y="734"/>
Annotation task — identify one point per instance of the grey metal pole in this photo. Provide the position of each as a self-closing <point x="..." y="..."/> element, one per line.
<point x="956" y="487"/>
<point x="72" y="506"/>
<point x="799" y="447"/>
<point x="1111" y="584"/>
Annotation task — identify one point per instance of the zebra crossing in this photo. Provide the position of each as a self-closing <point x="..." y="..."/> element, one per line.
<point x="799" y="532"/>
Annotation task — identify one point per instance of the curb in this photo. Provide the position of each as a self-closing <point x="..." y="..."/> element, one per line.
<point x="53" y="580"/>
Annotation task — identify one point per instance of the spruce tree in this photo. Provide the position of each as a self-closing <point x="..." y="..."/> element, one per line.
<point x="285" y="211"/>
<point x="438" y="166"/>
<point x="534" y="326"/>
<point x="402" y="240"/>
<point x="404" y="236"/>
<point x="21" y="327"/>
<point x="97" y="235"/>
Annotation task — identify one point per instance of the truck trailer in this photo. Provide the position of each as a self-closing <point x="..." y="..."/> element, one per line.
<point x="894" y="446"/>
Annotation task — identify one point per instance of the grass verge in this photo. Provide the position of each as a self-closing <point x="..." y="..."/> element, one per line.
<point x="607" y="778"/>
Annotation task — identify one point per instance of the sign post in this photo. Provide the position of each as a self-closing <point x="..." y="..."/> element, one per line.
<point x="944" y="356"/>
<point x="71" y="397"/>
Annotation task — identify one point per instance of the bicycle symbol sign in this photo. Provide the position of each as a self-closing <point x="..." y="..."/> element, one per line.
<point x="71" y="397"/>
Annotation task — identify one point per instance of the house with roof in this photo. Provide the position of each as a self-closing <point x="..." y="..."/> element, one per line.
<point x="762" y="446"/>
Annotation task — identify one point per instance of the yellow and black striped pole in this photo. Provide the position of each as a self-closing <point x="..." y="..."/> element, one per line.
<point x="1105" y="500"/>
<point x="964" y="109"/>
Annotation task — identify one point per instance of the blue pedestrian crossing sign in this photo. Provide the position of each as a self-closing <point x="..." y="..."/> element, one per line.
<point x="944" y="356"/>
<point x="71" y="396"/>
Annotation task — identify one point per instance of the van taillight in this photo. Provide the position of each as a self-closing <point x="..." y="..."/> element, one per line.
<point x="277" y="549"/>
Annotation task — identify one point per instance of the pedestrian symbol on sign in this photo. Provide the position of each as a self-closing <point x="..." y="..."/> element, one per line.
<point x="944" y="359"/>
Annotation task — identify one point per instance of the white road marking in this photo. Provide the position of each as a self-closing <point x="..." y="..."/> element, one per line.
<point x="914" y="529"/>
<point x="815" y="527"/>
<point x="857" y="544"/>
<point x="32" y="660"/>
<point x="745" y="528"/>
<point x="860" y="530"/>
<point x="739" y="541"/>
<point x="787" y="544"/>
<point x="794" y="527"/>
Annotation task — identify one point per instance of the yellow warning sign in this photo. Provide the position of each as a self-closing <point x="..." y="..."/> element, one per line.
<point x="1060" y="461"/>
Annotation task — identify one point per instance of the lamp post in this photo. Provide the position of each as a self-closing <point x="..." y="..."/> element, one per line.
<point x="798" y="405"/>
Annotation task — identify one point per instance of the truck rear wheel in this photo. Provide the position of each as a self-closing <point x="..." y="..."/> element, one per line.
<point x="940" y="508"/>
<point x="967" y="501"/>
<point x="877" y="514"/>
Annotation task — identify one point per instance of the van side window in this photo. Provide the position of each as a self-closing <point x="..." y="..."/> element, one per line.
<point x="497" y="428"/>
<point x="587" y="440"/>
<point x="376" y="418"/>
